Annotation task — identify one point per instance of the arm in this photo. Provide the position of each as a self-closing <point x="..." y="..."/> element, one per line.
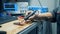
<point x="44" y="16"/>
<point x="49" y="15"/>
<point x="41" y="16"/>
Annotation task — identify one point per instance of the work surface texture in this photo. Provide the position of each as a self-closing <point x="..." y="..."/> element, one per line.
<point x="10" y="28"/>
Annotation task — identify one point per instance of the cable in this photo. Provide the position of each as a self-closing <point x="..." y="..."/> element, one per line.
<point x="40" y="3"/>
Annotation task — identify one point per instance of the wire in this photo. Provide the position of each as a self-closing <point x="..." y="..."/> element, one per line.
<point x="40" y="3"/>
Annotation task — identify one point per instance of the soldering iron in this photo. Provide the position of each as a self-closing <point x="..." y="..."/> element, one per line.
<point x="27" y="17"/>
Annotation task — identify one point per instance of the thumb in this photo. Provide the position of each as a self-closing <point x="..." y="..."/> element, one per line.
<point x="32" y="17"/>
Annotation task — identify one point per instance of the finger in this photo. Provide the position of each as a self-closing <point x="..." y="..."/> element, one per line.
<point x="32" y="18"/>
<point x="27" y="13"/>
<point x="28" y="21"/>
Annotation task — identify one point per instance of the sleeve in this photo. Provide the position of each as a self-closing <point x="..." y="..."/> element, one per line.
<point x="54" y="13"/>
<point x="54" y="16"/>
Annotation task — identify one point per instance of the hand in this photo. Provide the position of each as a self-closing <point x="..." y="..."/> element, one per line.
<point x="37" y="17"/>
<point x="34" y="17"/>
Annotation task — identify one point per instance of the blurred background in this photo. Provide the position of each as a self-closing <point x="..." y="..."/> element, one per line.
<point x="10" y="9"/>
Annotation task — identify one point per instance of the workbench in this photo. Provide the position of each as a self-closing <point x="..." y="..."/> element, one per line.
<point x="10" y="28"/>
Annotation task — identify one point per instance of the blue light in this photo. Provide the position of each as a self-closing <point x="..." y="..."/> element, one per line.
<point x="34" y="8"/>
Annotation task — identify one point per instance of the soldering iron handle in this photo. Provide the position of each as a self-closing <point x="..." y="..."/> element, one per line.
<point x="29" y="15"/>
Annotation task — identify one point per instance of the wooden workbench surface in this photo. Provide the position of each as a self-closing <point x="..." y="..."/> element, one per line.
<point x="10" y="28"/>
